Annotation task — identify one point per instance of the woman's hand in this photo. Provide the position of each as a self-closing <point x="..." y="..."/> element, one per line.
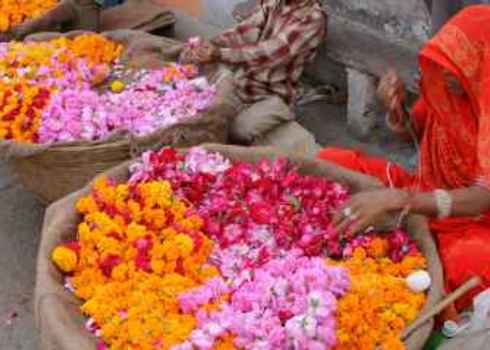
<point x="368" y="209"/>
<point x="391" y="92"/>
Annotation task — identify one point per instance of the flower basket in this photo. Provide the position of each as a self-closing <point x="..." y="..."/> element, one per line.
<point x="58" y="318"/>
<point x="54" y="170"/>
<point x="143" y="15"/>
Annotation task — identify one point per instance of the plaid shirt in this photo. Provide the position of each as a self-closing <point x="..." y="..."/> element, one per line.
<point x="272" y="46"/>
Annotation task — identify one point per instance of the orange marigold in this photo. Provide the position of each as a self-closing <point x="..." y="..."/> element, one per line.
<point x="379" y="305"/>
<point x="140" y="247"/>
<point x="14" y="12"/>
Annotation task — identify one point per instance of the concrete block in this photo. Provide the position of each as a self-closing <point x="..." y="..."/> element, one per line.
<point x="361" y="105"/>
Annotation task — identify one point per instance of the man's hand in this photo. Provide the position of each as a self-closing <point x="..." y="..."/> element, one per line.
<point x="391" y="92"/>
<point x="368" y="209"/>
<point x="203" y="52"/>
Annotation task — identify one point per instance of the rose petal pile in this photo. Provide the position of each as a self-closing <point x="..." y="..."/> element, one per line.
<point x="78" y="108"/>
<point x="143" y="107"/>
<point x="197" y="251"/>
<point x="289" y="303"/>
<point x="14" y="12"/>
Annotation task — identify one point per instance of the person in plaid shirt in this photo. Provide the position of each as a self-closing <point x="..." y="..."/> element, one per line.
<point x="270" y="48"/>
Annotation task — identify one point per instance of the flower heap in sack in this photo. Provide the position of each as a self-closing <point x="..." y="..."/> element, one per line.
<point x="14" y="12"/>
<point x="33" y="72"/>
<point x="80" y="108"/>
<point x="139" y="247"/>
<point x="275" y="273"/>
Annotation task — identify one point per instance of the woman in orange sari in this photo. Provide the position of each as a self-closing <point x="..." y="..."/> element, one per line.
<point x="452" y="123"/>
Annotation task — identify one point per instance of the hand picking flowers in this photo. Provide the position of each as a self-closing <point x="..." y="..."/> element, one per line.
<point x="14" y="12"/>
<point x="79" y="89"/>
<point x="198" y="251"/>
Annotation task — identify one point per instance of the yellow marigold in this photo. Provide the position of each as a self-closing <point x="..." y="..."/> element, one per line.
<point x="65" y="258"/>
<point x="184" y="244"/>
<point x="87" y="205"/>
<point x="117" y="86"/>
<point x="135" y="231"/>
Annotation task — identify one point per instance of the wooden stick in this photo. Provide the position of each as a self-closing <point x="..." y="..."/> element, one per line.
<point x="451" y="298"/>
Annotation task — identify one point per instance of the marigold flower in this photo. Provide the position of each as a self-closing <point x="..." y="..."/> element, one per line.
<point x="379" y="305"/>
<point x="117" y="86"/>
<point x="65" y="258"/>
<point x="131" y="274"/>
<point x="14" y="12"/>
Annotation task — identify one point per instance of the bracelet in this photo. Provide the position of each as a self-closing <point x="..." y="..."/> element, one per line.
<point x="444" y="203"/>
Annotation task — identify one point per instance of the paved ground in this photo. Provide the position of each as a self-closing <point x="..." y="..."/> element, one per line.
<point x="20" y="219"/>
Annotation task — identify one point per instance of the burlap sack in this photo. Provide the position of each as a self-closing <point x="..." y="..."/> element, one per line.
<point x="292" y="137"/>
<point x="51" y="172"/>
<point x="60" y="324"/>
<point x="69" y="15"/>
<point x="138" y="15"/>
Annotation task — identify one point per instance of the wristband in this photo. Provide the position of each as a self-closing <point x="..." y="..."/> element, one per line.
<point x="444" y="203"/>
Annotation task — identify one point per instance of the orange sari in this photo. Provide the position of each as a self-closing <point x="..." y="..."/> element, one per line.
<point x="454" y="142"/>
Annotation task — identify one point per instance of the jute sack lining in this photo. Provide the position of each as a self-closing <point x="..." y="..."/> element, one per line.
<point x="56" y="310"/>
<point x="51" y="172"/>
<point x="87" y="15"/>
<point x="138" y="15"/>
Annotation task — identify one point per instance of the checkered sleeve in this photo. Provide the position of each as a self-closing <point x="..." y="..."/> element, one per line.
<point x="248" y="31"/>
<point x="301" y="35"/>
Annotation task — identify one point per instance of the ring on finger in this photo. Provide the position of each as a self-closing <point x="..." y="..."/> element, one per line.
<point x="369" y="229"/>
<point x="347" y="212"/>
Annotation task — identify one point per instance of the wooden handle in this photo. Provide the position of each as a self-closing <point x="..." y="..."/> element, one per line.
<point x="436" y="309"/>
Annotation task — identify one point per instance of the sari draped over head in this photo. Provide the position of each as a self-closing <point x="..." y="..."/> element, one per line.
<point x="454" y="134"/>
<point x="455" y="145"/>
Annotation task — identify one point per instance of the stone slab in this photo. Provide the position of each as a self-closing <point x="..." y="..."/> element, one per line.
<point x="20" y="223"/>
<point x="361" y="48"/>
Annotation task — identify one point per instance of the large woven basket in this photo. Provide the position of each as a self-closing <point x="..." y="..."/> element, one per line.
<point x="58" y="318"/>
<point x="51" y="172"/>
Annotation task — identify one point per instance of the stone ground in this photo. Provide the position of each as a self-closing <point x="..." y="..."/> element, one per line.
<point x="21" y="219"/>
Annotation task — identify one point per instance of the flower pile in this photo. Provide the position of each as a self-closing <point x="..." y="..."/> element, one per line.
<point x="157" y="99"/>
<point x="138" y="248"/>
<point x="14" y="12"/>
<point x="21" y="106"/>
<point x="92" y="94"/>
<point x="378" y="305"/>
<point x="290" y="303"/>
<point x="197" y="251"/>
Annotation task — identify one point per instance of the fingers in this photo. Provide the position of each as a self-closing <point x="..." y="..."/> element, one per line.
<point x="343" y="225"/>
<point x="337" y="218"/>
<point x="356" y="227"/>
<point x="346" y="216"/>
